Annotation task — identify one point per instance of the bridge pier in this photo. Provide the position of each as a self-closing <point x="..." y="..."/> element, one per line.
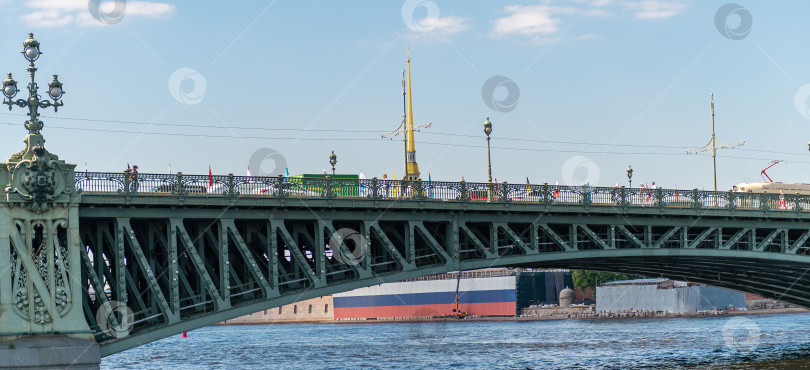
<point x="49" y="352"/>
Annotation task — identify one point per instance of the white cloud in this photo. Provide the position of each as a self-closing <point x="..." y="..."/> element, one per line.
<point x="149" y="9"/>
<point x="529" y="20"/>
<point x="58" y="13"/>
<point x="655" y="9"/>
<point x="437" y="28"/>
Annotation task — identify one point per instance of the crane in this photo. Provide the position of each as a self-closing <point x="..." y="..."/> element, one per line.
<point x="765" y="175"/>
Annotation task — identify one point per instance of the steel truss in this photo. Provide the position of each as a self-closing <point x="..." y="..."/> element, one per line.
<point x="179" y="268"/>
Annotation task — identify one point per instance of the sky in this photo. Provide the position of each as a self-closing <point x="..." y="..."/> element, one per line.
<point x="576" y="90"/>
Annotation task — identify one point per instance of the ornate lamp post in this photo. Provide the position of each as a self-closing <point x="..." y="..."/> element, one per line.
<point x="333" y="161"/>
<point x="33" y="103"/>
<point x="629" y="176"/>
<point x="488" y="130"/>
<point x="43" y="288"/>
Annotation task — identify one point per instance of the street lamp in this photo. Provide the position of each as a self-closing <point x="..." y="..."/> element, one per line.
<point x="488" y="130"/>
<point x="629" y="176"/>
<point x="333" y="161"/>
<point x="31" y="52"/>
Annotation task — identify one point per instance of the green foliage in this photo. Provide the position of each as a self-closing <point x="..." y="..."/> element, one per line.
<point x="584" y="279"/>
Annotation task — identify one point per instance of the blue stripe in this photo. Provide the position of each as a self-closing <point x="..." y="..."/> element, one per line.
<point x="477" y="296"/>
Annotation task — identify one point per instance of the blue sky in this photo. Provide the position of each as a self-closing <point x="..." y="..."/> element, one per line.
<point x="212" y="83"/>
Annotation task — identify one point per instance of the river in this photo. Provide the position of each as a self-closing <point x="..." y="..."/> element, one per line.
<point x="739" y="342"/>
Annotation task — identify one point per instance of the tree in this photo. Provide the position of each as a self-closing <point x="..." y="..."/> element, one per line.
<point x="584" y="279"/>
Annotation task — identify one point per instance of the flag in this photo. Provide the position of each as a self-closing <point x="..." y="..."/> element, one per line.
<point x="361" y="176"/>
<point x="248" y="174"/>
<point x="210" y="177"/>
<point x="587" y="192"/>
<point x="286" y="172"/>
<point x="528" y="185"/>
<point x="128" y="167"/>
<point x="430" y="189"/>
<point x="676" y="192"/>
<point x="557" y="189"/>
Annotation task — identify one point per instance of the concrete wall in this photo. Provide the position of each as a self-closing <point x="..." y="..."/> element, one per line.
<point x="322" y="310"/>
<point x="650" y="298"/>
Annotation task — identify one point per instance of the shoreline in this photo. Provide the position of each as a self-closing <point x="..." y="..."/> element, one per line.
<point x="568" y="316"/>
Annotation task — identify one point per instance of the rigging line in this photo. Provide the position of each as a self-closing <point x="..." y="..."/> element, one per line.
<point x="428" y="143"/>
<point x="368" y="131"/>
<point x="557" y="142"/>
<point x="338" y="130"/>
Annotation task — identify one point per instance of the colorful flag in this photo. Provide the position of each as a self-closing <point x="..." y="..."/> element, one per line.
<point x="557" y="189"/>
<point x="587" y="190"/>
<point x="676" y="192"/>
<point x="528" y="185"/>
<point x="286" y="172"/>
<point x="430" y="188"/>
<point x="210" y="177"/>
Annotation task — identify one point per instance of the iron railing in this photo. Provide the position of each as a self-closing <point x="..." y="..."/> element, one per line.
<point x="233" y="186"/>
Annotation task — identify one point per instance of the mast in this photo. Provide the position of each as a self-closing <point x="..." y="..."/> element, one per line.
<point x="410" y="155"/>
<point x="714" y="148"/>
<point x="404" y="124"/>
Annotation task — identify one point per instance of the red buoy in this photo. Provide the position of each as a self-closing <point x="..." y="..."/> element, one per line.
<point x="185" y="335"/>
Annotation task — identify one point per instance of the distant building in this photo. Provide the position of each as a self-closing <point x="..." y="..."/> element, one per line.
<point x="316" y="309"/>
<point x="663" y="294"/>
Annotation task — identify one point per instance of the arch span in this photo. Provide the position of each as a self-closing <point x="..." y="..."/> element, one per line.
<point x="182" y="269"/>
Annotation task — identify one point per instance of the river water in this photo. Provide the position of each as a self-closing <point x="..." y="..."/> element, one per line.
<point x="721" y="342"/>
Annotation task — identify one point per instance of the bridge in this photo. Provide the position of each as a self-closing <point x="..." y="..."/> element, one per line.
<point x="117" y="260"/>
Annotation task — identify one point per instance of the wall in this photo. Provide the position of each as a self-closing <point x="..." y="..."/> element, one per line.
<point x="322" y="310"/>
<point x="650" y="298"/>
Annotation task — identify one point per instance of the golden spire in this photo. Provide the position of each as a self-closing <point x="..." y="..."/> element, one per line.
<point x="410" y="155"/>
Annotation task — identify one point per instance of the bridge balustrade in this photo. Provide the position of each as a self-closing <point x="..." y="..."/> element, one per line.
<point x="217" y="185"/>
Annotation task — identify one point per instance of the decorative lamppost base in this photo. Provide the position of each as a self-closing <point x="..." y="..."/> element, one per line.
<point x="49" y="352"/>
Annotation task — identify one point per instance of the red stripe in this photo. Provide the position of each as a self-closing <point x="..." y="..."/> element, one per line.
<point x="428" y="310"/>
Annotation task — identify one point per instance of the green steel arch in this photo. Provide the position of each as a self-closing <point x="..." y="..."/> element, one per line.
<point x="182" y="261"/>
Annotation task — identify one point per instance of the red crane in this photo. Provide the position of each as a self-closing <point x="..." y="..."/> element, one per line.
<point x="765" y="175"/>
